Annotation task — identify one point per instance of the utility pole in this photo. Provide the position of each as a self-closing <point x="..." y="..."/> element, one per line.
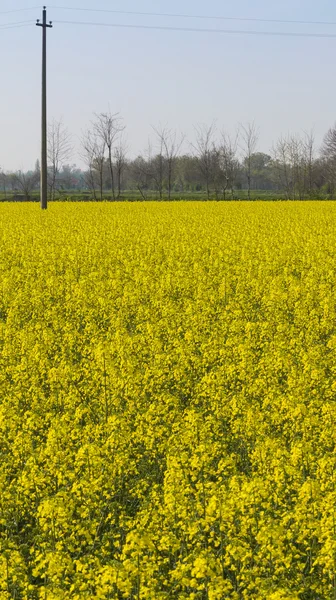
<point x="44" y="167"/>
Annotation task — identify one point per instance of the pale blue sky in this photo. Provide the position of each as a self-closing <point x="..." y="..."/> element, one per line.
<point x="179" y="79"/>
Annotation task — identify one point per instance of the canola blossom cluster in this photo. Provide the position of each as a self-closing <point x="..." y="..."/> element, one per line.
<point x="168" y="401"/>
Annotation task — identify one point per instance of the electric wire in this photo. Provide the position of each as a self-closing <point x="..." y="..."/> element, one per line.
<point x="15" y="25"/>
<point x="203" y="30"/>
<point x="182" y="29"/>
<point x="16" y="10"/>
<point x="190" y="16"/>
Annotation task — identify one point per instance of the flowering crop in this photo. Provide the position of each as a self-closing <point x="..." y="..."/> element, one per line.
<point x="167" y="401"/>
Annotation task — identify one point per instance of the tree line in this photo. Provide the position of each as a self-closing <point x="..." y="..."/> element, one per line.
<point x="217" y="165"/>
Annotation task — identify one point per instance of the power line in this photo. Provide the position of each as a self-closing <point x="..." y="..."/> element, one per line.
<point x="15" y="25"/>
<point x="7" y="12"/>
<point x="199" y="30"/>
<point x="189" y="16"/>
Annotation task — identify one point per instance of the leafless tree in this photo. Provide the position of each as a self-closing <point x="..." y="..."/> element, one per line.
<point x="293" y="161"/>
<point x="88" y="154"/>
<point x="329" y="144"/>
<point x="294" y="149"/>
<point x="170" y="146"/>
<point x="3" y="182"/>
<point x="309" y="159"/>
<point x="328" y="155"/>
<point x="142" y="175"/>
<point x="156" y="165"/>
<point x="301" y="157"/>
<point x="26" y="182"/>
<point x="203" y="149"/>
<point x="228" y="162"/>
<point x="60" y="148"/>
<point x="93" y="154"/>
<point x="249" y="136"/>
<point x="281" y="166"/>
<point x="99" y="163"/>
<point x="120" y="159"/>
<point x="107" y="128"/>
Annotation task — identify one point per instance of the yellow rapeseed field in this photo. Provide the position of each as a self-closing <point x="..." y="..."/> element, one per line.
<point x="168" y="401"/>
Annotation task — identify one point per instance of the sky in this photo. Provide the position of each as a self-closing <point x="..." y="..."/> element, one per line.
<point x="156" y="78"/>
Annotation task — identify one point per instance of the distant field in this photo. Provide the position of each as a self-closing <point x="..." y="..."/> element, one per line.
<point x="168" y="401"/>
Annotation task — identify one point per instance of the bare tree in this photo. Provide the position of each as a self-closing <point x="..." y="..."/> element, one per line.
<point x="228" y="162"/>
<point x="309" y="160"/>
<point x="329" y="144"/>
<point x="293" y="160"/>
<point x="108" y="127"/>
<point x="328" y="155"/>
<point x="217" y="173"/>
<point x="60" y="148"/>
<point x="156" y="166"/>
<point x="294" y="151"/>
<point x="99" y="163"/>
<point x="203" y="149"/>
<point x="282" y="166"/>
<point x="301" y="149"/>
<point x="93" y="153"/>
<point x="142" y="174"/>
<point x="120" y="159"/>
<point x="3" y="182"/>
<point x="88" y="154"/>
<point x="170" y="147"/>
<point x="26" y="182"/>
<point x="250" y="136"/>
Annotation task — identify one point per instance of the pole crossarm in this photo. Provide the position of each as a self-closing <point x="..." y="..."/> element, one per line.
<point x="43" y="24"/>
<point x="44" y="166"/>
